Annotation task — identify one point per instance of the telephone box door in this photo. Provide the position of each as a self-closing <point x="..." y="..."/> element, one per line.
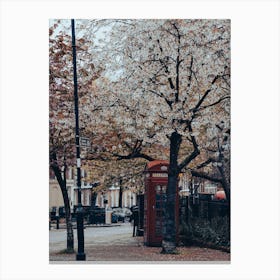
<point x="157" y="212"/>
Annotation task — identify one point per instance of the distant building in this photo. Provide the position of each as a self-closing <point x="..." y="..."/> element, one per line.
<point x="110" y="198"/>
<point x="55" y="195"/>
<point x="186" y="185"/>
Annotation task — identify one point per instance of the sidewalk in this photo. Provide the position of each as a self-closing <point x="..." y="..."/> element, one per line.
<point x="116" y="245"/>
<point x="138" y="253"/>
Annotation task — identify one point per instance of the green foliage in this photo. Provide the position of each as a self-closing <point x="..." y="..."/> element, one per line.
<point x="215" y="232"/>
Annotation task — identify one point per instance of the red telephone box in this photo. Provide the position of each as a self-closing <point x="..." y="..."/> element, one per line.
<point x="156" y="178"/>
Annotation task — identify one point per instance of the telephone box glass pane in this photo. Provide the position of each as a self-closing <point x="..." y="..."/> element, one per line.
<point x="160" y="198"/>
<point x="158" y="189"/>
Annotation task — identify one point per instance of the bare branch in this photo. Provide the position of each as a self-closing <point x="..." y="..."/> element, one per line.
<point x="195" y="152"/>
<point x="206" y="176"/>
<point x="205" y="163"/>
<point x="204" y="95"/>
<point x="215" y="103"/>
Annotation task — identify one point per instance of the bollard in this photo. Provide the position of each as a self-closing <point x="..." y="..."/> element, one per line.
<point x="57" y="222"/>
<point x="134" y="227"/>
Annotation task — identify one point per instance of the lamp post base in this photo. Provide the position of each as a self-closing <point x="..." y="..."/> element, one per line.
<point x="81" y="257"/>
<point x="80" y="233"/>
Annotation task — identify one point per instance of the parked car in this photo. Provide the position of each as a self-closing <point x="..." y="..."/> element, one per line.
<point x="114" y="218"/>
<point x="96" y="215"/>
<point x="61" y="212"/>
<point x="53" y="213"/>
<point x="121" y="214"/>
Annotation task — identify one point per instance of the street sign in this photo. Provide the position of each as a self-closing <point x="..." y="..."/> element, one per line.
<point x="84" y="142"/>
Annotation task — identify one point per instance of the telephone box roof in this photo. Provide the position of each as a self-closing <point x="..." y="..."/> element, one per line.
<point x="156" y="163"/>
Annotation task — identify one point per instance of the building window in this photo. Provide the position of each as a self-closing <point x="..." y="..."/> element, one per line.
<point x="69" y="173"/>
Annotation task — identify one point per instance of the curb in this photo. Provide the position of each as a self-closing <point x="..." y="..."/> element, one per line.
<point x="63" y="226"/>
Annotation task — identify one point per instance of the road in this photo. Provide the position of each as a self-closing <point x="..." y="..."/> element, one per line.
<point x="115" y="235"/>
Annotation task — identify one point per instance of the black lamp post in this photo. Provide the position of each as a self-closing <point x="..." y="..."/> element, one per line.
<point x="80" y="214"/>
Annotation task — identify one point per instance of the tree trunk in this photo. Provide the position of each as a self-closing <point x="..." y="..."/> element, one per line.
<point x="226" y="188"/>
<point x="169" y="225"/>
<point x="68" y="218"/>
<point x="69" y="227"/>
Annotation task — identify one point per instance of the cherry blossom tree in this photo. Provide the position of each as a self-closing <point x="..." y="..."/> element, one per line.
<point x="168" y="76"/>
